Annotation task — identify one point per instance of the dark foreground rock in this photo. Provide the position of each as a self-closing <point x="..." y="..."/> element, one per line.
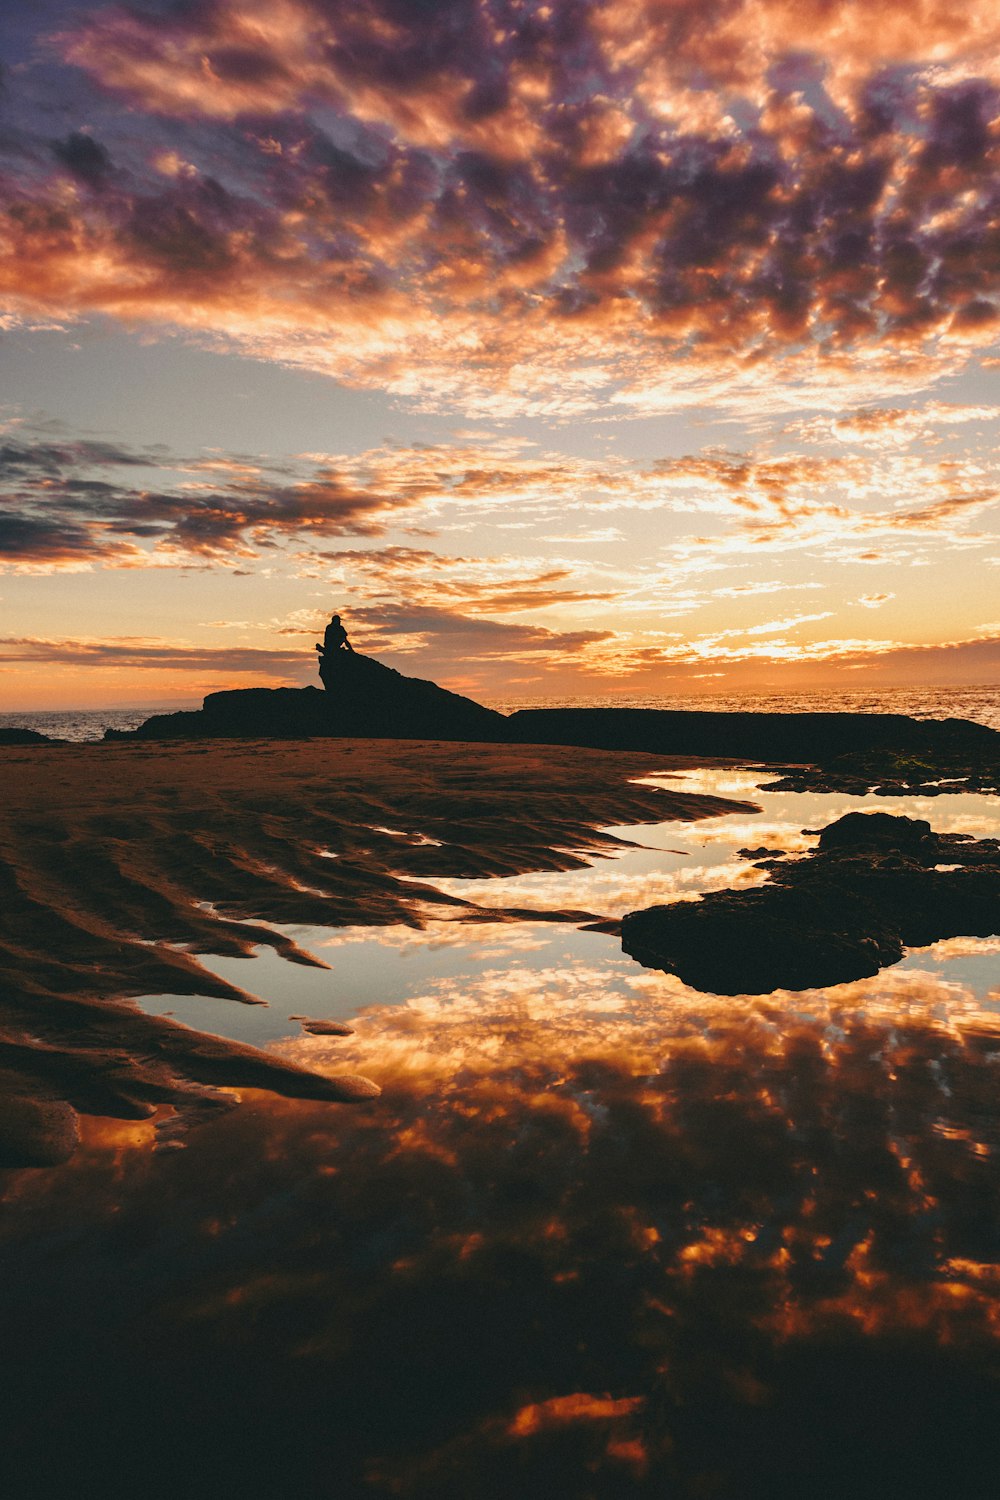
<point x="364" y="699"/>
<point x="846" y="911"/>
<point x="34" y="1132"/>
<point x="19" y="736"/>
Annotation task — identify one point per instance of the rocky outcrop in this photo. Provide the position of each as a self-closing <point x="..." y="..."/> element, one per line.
<point x="363" y="698"/>
<point x="873" y="887"/>
<point x="367" y="699"/>
<point x="19" y="736"/>
<point x="782" y="737"/>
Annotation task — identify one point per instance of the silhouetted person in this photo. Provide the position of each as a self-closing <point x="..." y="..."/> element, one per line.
<point x="334" y="641"/>
<point x="335" y="637"/>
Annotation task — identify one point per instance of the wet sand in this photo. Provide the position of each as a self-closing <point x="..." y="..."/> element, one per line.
<point x="120" y="864"/>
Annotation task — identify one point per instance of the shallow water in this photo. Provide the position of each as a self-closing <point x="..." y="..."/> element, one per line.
<point x="602" y="1235"/>
<point x="657" y="862"/>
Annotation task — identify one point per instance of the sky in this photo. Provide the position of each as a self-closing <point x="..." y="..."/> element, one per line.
<point x="632" y="347"/>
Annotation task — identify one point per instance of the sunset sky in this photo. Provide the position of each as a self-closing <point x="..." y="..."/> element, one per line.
<point x="641" y="347"/>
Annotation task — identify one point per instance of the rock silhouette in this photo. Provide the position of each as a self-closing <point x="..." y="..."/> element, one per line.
<point x="780" y="737"/>
<point x="19" y="736"/>
<point x="363" y="698"/>
<point x="335" y="641"/>
<point x="846" y="911"/>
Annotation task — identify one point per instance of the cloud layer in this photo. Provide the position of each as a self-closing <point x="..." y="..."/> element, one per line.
<point x="73" y="502"/>
<point x="505" y="208"/>
<point x="731" y="537"/>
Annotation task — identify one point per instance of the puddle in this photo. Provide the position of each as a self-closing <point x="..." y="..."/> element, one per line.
<point x="654" y="872"/>
<point x="376" y="967"/>
<point x="450" y="962"/>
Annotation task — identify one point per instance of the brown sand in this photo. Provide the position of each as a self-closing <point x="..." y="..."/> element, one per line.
<point x="120" y="863"/>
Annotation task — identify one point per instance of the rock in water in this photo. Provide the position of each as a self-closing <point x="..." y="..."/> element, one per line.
<point x="844" y="912"/>
<point x="321" y="1027"/>
<point x="35" y="1132"/>
<point x="857" y="830"/>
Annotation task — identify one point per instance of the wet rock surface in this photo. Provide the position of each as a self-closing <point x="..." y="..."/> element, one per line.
<point x="34" y="1132"/>
<point x="932" y="770"/>
<point x="871" y="889"/>
<point x="122" y="865"/>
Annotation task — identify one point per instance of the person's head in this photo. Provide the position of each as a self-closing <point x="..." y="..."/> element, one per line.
<point x="334" y="619"/>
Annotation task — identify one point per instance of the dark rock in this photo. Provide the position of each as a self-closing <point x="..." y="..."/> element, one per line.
<point x="948" y="764"/>
<point x="849" y="909"/>
<point x="749" y="943"/>
<point x="363" y="698"/>
<point x="848" y="753"/>
<point x="816" y="738"/>
<point x="18" y="736"/>
<point x="323" y="1028"/>
<point x="762" y="853"/>
<point x="36" y="1132"/>
<point x="878" y="830"/>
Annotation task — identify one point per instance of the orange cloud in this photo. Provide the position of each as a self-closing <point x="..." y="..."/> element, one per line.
<point x="754" y="202"/>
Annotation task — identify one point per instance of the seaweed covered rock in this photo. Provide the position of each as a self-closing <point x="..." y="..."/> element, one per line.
<point x="878" y="830"/>
<point x="874" y="886"/>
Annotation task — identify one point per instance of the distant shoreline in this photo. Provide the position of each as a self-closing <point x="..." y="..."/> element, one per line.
<point x="979" y="703"/>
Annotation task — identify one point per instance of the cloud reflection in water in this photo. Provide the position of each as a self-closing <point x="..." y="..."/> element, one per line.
<point x="597" y="1239"/>
<point x="674" y="861"/>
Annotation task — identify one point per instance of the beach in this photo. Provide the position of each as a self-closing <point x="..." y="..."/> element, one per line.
<point x="488" y="1208"/>
<point x="499" y="750"/>
<point x="124" y="863"/>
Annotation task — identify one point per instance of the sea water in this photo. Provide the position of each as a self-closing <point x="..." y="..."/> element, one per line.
<point x="79" y="724"/>
<point x="981" y="704"/>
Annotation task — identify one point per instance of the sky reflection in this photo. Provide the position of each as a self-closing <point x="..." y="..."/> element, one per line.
<point x="600" y="1236"/>
<point x="746" y="1250"/>
<point x="659" y="862"/>
<point x="656" y="872"/>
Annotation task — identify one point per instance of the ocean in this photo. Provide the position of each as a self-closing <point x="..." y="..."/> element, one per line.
<point x="79" y="724"/>
<point x="981" y="704"/>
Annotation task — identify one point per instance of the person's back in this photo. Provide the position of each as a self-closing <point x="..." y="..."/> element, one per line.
<point x="335" y="644"/>
<point x="335" y="636"/>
